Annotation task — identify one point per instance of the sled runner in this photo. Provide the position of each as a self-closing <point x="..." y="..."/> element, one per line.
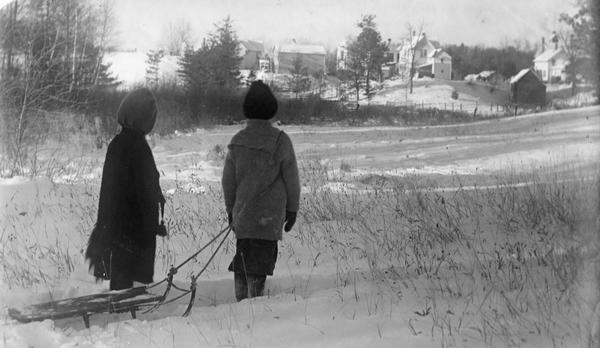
<point x="117" y="301"/>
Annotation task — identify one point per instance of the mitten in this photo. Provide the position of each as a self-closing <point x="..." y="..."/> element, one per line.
<point x="290" y="220"/>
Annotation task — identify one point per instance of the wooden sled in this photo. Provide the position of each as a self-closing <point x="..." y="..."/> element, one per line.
<point x="116" y="301"/>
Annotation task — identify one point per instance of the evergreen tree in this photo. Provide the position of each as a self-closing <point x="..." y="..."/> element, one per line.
<point x="367" y="50"/>
<point x="153" y="59"/>
<point x="224" y="56"/>
<point x="298" y="82"/>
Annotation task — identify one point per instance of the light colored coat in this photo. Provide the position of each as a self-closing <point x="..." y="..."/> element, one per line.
<point x="260" y="180"/>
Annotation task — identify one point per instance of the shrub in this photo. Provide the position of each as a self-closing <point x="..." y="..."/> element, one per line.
<point x="454" y="94"/>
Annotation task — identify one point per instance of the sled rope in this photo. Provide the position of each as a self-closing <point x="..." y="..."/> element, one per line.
<point x="194" y="278"/>
<point x="173" y="271"/>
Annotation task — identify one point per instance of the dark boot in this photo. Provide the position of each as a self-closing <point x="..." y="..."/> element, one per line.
<point x="240" y="285"/>
<point x="256" y="284"/>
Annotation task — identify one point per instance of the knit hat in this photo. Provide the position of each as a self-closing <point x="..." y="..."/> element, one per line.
<point x="138" y="110"/>
<point x="260" y="102"/>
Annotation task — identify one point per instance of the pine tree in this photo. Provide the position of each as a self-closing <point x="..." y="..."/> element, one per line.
<point x="366" y="53"/>
<point x="298" y="82"/>
<point x="153" y="59"/>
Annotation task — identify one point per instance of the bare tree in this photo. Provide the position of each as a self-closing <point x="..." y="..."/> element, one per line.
<point x="177" y="36"/>
<point x="412" y="42"/>
<point x="50" y="62"/>
<point x="105" y="34"/>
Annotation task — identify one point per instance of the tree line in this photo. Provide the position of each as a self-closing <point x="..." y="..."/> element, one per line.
<point x="507" y="61"/>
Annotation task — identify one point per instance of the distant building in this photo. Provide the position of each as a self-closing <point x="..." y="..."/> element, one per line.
<point x="341" y="56"/>
<point x="313" y="57"/>
<point x="489" y="76"/>
<point x="251" y="52"/>
<point x="551" y="65"/>
<point x="429" y="58"/>
<point x="526" y="88"/>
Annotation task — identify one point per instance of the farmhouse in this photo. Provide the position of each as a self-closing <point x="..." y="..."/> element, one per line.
<point x="526" y="88"/>
<point x="551" y="65"/>
<point x="313" y="57"/>
<point x="429" y="58"/>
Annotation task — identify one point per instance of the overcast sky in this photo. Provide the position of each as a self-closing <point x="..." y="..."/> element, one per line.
<point x="141" y="23"/>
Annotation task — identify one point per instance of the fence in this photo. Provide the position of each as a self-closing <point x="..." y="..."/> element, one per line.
<point x="474" y="108"/>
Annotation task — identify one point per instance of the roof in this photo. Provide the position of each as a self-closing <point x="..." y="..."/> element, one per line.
<point x="439" y="52"/>
<point x="252" y="45"/>
<point x="394" y="46"/>
<point x="303" y="49"/>
<point x="435" y="44"/>
<point x="418" y="42"/>
<point x="520" y="75"/>
<point x="547" y="55"/>
<point x="487" y="73"/>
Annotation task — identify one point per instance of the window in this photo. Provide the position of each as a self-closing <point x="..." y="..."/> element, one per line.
<point x="424" y="53"/>
<point x="553" y="61"/>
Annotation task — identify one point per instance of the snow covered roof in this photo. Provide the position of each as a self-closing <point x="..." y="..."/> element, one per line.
<point x="304" y="49"/>
<point x="547" y="55"/>
<point x="487" y="73"/>
<point x="438" y="52"/>
<point x="252" y="45"/>
<point x="519" y="76"/>
<point x="435" y="44"/>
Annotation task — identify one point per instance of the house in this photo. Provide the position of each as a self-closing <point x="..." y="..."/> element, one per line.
<point x="251" y="52"/>
<point x="526" y="88"/>
<point x="429" y="58"/>
<point x="313" y="57"/>
<point x="341" y="56"/>
<point x="551" y="65"/>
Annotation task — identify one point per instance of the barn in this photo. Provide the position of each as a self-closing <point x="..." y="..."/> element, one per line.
<point x="251" y="53"/>
<point x="526" y="88"/>
<point x="313" y="57"/>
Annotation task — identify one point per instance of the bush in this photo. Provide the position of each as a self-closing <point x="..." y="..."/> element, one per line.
<point x="454" y="94"/>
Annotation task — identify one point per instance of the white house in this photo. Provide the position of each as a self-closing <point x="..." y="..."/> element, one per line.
<point x="429" y="58"/>
<point x="341" y="56"/>
<point x="551" y="65"/>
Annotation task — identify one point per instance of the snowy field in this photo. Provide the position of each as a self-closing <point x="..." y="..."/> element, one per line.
<point x="407" y="237"/>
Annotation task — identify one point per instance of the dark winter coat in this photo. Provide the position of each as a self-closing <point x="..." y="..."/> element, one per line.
<point x="260" y="181"/>
<point x="124" y="237"/>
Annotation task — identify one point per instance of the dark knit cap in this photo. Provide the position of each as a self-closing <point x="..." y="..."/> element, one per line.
<point x="138" y="110"/>
<point x="260" y="102"/>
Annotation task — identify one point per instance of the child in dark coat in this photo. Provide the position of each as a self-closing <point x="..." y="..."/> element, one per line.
<point x="262" y="191"/>
<point x="123" y="243"/>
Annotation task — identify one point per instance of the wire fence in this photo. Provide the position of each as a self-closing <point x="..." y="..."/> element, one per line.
<point x="474" y="108"/>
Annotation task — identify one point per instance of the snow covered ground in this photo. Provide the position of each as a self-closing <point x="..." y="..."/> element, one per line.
<point x="325" y="292"/>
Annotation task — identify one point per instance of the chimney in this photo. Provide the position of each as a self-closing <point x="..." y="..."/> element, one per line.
<point x="543" y="44"/>
<point x="555" y="39"/>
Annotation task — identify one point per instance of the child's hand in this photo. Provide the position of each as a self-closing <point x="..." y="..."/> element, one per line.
<point x="290" y="220"/>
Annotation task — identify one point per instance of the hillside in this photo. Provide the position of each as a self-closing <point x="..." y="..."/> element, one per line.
<point x="438" y="94"/>
<point x="360" y="269"/>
